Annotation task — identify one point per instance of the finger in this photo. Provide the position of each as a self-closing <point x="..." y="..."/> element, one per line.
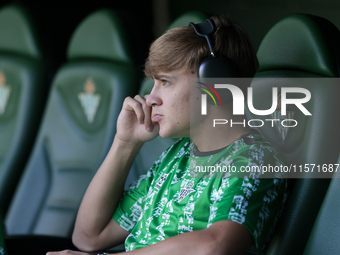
<point x="148" y="122"/>
<point x="131" y="104"/>
<point x="142" y="101"/>
<point x="147" y="112"/>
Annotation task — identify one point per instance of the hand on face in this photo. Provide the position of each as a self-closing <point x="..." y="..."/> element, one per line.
<point x="134" y="122"/>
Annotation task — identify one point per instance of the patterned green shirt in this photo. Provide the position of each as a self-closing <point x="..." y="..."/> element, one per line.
<point x="173" y="198"/>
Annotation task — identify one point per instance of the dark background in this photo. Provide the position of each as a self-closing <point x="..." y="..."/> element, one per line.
<point x="57" y="20"/>
<point x="147" y="19"/>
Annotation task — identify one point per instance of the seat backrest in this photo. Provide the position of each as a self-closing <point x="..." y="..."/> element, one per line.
<point x="153" y="149"/>
<point x="324" y="238"/>
<point x="77" y="130"/>
<point x="301" y="46"/>
<point x="22" y="95"/>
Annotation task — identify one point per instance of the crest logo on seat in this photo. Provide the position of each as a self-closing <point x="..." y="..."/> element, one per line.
<point x="5" y="91"/>
<point x="89" y="100"/>
<point x="283" y="130"/>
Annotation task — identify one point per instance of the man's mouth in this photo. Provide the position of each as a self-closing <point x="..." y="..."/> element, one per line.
<point x="156" y="117"/>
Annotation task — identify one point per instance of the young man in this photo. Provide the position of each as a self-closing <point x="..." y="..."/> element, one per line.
<point x="167" y="210"/>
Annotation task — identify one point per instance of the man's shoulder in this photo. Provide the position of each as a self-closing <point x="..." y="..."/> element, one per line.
<point x="255" y="148"/>
<point x="179" y="149"/>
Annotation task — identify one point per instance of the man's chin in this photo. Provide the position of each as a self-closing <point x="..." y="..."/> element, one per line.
<point x="170" y="134"/>
<point x="165" y="133"/>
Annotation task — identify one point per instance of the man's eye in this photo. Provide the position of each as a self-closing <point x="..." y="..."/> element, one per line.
<point x="165" y="82"/>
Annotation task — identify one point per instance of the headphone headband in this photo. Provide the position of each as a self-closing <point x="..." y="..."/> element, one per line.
<point x="206" y="29"/>
<point x="213" y="66"/>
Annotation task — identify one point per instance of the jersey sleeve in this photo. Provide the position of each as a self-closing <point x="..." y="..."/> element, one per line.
<point x="253" y="202"/>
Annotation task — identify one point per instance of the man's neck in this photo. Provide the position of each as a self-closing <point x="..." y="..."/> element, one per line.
<point x="208" y="138"/>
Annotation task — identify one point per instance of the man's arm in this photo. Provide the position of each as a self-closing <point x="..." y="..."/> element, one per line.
<point x="95" y="229"/>
<point x="223" y="237"/>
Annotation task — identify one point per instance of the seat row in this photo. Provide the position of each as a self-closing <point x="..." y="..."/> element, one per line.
<point x="48" y="173"/>
<point x="79" y="120"/>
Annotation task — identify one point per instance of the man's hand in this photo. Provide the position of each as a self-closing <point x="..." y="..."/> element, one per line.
<point x="134" y="123"/>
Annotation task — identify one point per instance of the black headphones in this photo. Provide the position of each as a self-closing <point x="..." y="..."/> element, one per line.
<point x="213" y="66"/>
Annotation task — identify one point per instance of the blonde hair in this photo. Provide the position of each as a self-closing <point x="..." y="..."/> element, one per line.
<point x="181" y="48"/>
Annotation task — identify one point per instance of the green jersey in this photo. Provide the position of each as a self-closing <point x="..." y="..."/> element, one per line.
<point x="172" y="198"/>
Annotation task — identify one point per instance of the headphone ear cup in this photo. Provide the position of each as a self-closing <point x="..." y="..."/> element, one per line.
<point x="217" y="67"/>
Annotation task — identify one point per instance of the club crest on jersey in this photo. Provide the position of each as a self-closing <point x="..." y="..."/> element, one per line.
<point x="89" y="100"/>
<point x="5" y="91"/>
<point x="161" y="181"/>
<point x="283" y="130"/>
<point x="185" y="191"/>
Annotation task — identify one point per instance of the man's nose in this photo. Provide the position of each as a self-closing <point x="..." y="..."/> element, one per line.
<point x="153" y="99"/>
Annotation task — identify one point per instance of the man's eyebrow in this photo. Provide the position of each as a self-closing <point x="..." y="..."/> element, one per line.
<point x="162" y="76"/>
